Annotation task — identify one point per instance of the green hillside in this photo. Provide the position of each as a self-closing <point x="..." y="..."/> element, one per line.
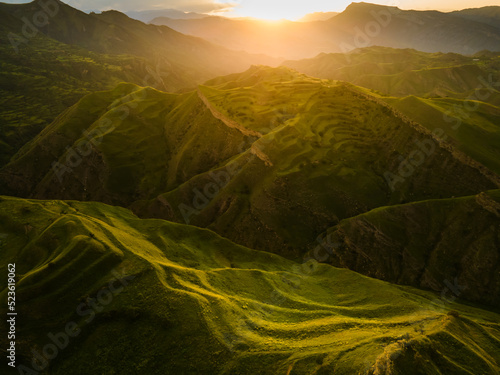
<point x="431" y="244"/>
<point x="473" y="126"/>
<point x="402" y="72"/>
<point x="170" y="206"/>
<point x="46" y="77"/>
<point x="129" y="296"/>
<point x="268" y="158"/>
<point x="77" y="54"/>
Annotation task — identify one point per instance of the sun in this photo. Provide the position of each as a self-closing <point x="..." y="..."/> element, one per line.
<point x="270" y="10"/>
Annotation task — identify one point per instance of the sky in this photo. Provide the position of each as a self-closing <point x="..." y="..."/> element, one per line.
<point x="265" y="9"/>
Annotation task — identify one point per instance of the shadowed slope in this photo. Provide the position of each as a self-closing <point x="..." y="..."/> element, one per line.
<point x="431" y="244"/>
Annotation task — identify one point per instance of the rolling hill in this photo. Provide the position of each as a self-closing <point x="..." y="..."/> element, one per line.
<point x="269" y="158"/>
<point x="48" y="68"/>
<point x="432" y="244"/>
<point x="148" y="296"/>
<point x="403" y="72"/>
<point x="169" y="208"/>
<point x="46" y="77"/>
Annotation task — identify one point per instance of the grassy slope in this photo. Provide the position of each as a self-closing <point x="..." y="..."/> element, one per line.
<point x="445" y="91"/>
<point x="201" y="304"/>
<point x="117" y="121"/>
<point x="328" y="157"/>
<point x="473" y="126"/>
<point x="46" y="77"/>
<point x="425" y="243"/>
<point x="55" y="69"/>
<point x="402" y="72"/>
<point x="308" y="153"/>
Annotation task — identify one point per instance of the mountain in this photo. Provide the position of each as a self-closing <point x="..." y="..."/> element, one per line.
<point x="360" y="25"/>
<point x="247" y="155"/>
<point x="153" y="297"/>
<point x="46" y="69"/>
<point x="455" y="93"/>
<point x="488" y="15"/>
<point x="147" y="15"/>
<point x="403" y="72"/>
<point x="113" y="32"/>
<point x="427" y="31"/>
<point x="429" y="244"/>
<point x="45" y="77"/>
<point x="284" y="39"/>
<point x="318" y="16"/>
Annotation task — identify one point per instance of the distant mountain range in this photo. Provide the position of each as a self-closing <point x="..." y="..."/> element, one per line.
<point x="488" y="15"/>
<point x="318" y="16"/>
<point x="360" y="25"/>
<point x="77" y="53"/>
<point x="147" y="15"/>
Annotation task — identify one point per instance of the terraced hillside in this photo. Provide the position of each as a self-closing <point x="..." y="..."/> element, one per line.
<point x="127" y="296"/>
<point x="449" y="93"/>
<point x="471" y="125"/>
<point x="403" y="72"/>
<point x="268" y="158"/>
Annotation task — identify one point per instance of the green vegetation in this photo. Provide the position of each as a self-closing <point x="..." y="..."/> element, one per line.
<point x="45" y="78"/>
<point x="431" y="244"/>
<point x="455" y="93"/>
<point x="80" y="53"/>
<point x="384" y="162"/>
<point x="302" y="153"/>
<point x="193" y="302"/>
<point x="473" y="126"/>
<point x="403" y="72"/>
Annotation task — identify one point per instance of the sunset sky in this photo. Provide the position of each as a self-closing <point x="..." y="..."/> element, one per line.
<point x="266" y="9"/>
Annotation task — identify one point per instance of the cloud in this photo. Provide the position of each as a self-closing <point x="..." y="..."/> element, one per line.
<point x="198" y="6"/>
